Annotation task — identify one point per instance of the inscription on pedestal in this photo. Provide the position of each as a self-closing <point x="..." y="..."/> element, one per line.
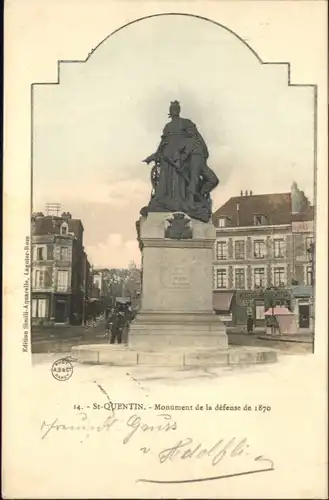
<point x="180" y="278"/>
<point x="176" y="278"/>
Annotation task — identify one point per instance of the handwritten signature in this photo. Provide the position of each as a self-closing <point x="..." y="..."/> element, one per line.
<point x="183" y="449"/>
<point x="85" y="426"/>
<point x="134" y="423"/>
<point x="187" y="449"/>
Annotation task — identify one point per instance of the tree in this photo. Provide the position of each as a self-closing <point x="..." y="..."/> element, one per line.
<point x="133" y="284"/>
<point x="269" y="298"/>
<point x="122" y="282"/>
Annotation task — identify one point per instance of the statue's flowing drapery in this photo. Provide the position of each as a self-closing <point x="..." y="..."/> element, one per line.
<point x="181" y="178"/>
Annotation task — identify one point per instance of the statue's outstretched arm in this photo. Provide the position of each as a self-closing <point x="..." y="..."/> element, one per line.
<point x="154" y="156"/>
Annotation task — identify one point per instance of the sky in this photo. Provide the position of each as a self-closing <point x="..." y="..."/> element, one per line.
<point x="92" y="131"/>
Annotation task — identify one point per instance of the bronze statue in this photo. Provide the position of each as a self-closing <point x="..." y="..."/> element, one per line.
<point x="181" y="178"/>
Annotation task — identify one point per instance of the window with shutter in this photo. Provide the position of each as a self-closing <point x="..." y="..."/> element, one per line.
<point x="239" y="279"/>
<point x="278" y="247"/>
<point x="64" y="253"/>
<point x="42" y="308"/>
<point x="34" y="308"/>
<point x="279" y="276"/>
<point x="259" y="277"/>
<point x="62" y="280"/>
<point x="239" y="250"/>
<point x="221" y="278"/>
<point x="50" y="252"/>
<point x="40" y="253"/>
<point x="221" y="253"/>
<point x="259" y="249"/>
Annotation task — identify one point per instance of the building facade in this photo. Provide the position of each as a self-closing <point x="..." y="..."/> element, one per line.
<point x="303" y="285"/>
<point x="59" y="270"/>
<point x="261" y="254"/>
<point x="87" y="287"/>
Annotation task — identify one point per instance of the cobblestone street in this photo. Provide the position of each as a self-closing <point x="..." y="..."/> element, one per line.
<point x="255" y="339"/>
<point x="61" y="339"/>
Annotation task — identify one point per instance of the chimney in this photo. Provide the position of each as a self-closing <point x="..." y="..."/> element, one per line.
<point x="66" y="215"/>
<point x="241" y="193"/>
<point x="246" y="193"/>
<point x="35" y="215"/>
<point x="250" y="193"/>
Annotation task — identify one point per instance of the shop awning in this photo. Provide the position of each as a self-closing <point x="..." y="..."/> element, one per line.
<point x="287" y="324"/>
<point x="222" y="301"/>
<point x="278" y="311"/>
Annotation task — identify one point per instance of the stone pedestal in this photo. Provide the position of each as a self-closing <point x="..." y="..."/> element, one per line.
<point x="177" y="305"/>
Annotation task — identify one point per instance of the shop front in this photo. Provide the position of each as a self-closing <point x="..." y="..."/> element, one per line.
<point x="223" y="305"/>
<point x="254" y="303"/>
<point x="41" y="309"/>
<point x="62" y="308"/>
<point x="303" y="306"/>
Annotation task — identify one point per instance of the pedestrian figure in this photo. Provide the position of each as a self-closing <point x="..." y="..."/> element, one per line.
<point x="128" y="319"/>
<point x="117" y="326"/>
<point x="130" y="314"/>
<point x="250" y="324"/>
<point x="109" y="322"/>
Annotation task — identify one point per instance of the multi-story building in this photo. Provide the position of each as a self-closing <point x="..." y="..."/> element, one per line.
<point x="261" y="251"/>
<point x="303" y="284"/>
<point x="59" y="269"/>
<point x="99" y="282"/>
<point x="87" y="285"/>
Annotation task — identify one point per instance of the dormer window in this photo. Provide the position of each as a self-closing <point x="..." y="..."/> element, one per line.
<point x="260" y="220"/>
<point x="64" y="229"/>
<point x="222" y="222"/>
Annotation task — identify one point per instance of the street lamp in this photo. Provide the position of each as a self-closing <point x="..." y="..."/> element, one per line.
<point x="311" y="254"/>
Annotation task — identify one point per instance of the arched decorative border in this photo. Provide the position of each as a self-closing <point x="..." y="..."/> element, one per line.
<point x="201" y="18"/>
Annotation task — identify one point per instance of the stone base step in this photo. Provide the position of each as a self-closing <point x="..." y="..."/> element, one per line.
<point x="119" y="355"/>
<point x="157" y="331"/>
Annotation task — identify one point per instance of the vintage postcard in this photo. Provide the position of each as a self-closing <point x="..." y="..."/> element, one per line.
<point x="165" y="250"/>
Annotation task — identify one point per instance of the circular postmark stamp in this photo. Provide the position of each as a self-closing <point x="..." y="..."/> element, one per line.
<point x="62" y="369"/>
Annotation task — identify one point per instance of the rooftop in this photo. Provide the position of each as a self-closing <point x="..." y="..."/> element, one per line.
<point x="275" y="209"/>
<point x="49" y="224"/>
